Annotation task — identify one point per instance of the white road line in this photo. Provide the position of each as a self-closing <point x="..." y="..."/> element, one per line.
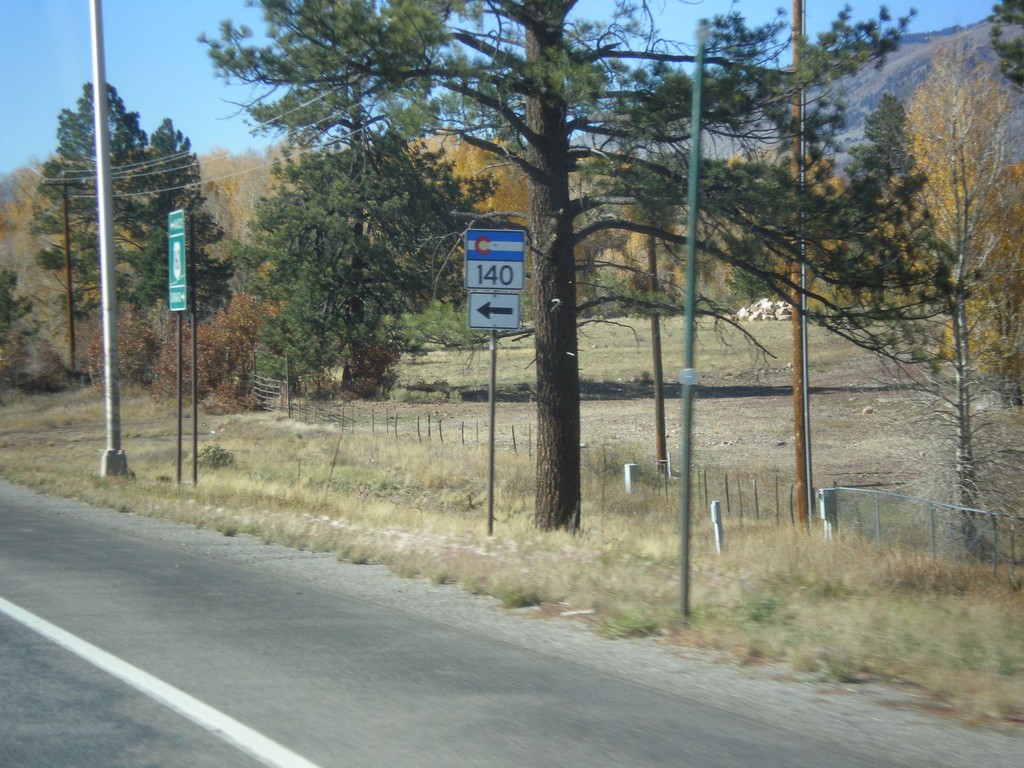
<point x="266" y="750"/>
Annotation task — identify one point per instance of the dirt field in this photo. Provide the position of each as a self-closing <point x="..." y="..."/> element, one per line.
<point x="743" y="411"/>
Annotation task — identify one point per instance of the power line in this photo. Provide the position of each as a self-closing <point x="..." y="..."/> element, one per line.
<point x="90" y="171"/>
<point x="129" y="169"/>
<point x="202" y="182"/>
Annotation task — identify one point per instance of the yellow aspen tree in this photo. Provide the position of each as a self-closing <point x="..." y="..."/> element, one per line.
<point x="1000" y="301"/>
<point x="959" y="123"/>
<point x="508" y="198"/>
<point x="233" y="185"/>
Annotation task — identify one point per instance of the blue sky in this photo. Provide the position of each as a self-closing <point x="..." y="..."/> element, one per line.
<point x="160" y="70"/>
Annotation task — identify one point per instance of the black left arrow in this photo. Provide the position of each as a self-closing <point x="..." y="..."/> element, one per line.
<point x="487" y="310"/>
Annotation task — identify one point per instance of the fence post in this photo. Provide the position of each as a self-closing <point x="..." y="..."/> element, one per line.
<point x="878" y="521"/>
<point x="739" y="495"/>
<point x="288" y="383"/>
<point x="778" y="506"/>
<point x="757" y="505"/>
<point x="828" y="504"/>
<point x="995" y="544"/>
<point x="630" y="471"/>
<point x="1013" y="547"/>
<point x="931" y="528"/>
<point x="716" y="520"/>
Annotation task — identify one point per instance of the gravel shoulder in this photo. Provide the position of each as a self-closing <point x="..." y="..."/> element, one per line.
<point x="894" y="721"/>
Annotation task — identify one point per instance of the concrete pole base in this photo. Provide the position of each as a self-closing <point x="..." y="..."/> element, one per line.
<point x="113" y="464"/>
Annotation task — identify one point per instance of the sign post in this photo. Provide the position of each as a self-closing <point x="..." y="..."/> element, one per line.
<point x="496" y="263"/>
<point x="177" y="298"/>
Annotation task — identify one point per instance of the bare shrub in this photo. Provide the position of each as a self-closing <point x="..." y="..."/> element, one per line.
<point x="32" y="364"/>
<point x="370" y="370"/>
<point x="225" y="347"/>
<point x="138" y="349"/>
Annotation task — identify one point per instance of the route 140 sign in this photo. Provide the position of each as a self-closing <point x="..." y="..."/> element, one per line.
<point x="495" y="259"/>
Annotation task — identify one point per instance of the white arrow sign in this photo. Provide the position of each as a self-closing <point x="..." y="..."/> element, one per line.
<point x="491" y="311"/>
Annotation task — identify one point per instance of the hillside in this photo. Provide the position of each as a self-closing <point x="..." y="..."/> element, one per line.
<point x="906" y="69"/>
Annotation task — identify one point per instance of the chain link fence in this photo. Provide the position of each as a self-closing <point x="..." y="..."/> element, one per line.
<point x="945" y="530"/>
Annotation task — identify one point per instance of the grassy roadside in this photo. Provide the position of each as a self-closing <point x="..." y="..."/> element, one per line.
<point x="835" y="611"/>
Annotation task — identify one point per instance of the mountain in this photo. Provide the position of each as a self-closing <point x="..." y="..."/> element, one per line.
<point x="906" y="69"/>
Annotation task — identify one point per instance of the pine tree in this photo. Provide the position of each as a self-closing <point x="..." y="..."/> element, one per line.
<point x="353" y="240"/>
<point x="72" y="172"/>
<point x="596" y="115"/>
<point x="1009" y="49"/>
<point x="151" y="176"/>
<point x="173" y="183"/>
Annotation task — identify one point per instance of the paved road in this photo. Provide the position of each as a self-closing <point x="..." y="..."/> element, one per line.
<point x="318" y="671"/>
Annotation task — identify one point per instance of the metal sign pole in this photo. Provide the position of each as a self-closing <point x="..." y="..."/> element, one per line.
<point x="195" y="350"/>
<point x="180" y="363"/>
<point x="490" y="445"/>
<point x="688" y="377"/>
<point x="177" y="302"/>
<point x="495" y="261"/>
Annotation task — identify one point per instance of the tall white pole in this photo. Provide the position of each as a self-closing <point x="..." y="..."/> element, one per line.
<point x="113" y="460"/>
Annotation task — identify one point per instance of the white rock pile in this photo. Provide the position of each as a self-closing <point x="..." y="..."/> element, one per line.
<point x="766" y="309"/>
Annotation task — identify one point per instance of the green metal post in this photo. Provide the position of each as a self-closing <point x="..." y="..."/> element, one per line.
<point x="688" y="378"/>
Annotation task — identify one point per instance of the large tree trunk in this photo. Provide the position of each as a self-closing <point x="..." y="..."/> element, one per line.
<point x="965" y="471"/>
<point x="554" y="301"/>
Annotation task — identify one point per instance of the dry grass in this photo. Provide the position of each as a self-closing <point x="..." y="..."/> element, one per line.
<point x="841" y="610"/>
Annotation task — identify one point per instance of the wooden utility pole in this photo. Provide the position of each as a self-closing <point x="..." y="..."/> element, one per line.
<point x="654" y="287"/>
<point x="801" y="439"/>
<point x="67" y="280"/>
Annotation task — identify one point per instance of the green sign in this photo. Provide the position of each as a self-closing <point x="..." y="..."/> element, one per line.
<point x="177" y="293"/>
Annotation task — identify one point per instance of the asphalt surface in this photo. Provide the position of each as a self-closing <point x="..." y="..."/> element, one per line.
<point x="344" y="665"/>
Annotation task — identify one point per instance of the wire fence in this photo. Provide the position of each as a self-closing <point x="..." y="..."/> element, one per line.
<point x="398" y="421"/>
<point x="747" y="497"/>
<point x="743" y="497"/>
<point x="945" y="530"/>
<point x="271" y="393"/>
